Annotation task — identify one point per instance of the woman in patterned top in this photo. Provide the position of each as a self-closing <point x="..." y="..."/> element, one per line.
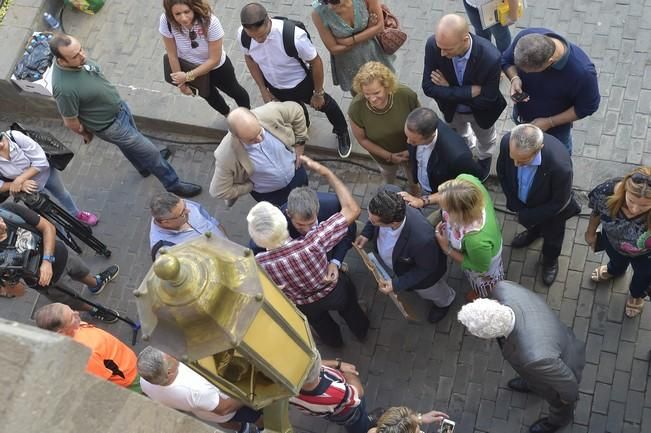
<point x="192" y="33"/>
<point x="622" y="206"/>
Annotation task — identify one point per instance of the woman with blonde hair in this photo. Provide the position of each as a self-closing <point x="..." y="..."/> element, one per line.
<point x="378" y="115"/>
<point x="401" y="419"/>
<point x="470" y="233"/>
<point x="622" y="206"/>
<point x="348" y="29"/>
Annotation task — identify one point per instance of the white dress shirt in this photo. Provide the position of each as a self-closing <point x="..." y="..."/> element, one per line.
<point x="423" y="153"/>
<point x="386" y="241"/>
<point x="280" y="70"/>
<point x="23" y="154"/>
<point x="273" y="164"/>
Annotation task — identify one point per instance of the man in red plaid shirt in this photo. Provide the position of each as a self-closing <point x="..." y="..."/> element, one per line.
<point x="300" y="266"/>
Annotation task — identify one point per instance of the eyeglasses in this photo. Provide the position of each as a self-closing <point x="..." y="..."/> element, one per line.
<point x="639" y="179"/>
<point x="193" y="37"/>
<point x="183" y="214"/>
<point x="256" y="24"/>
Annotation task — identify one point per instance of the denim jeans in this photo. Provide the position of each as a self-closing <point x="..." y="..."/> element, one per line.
<point x="362" y="423"/>
<point x="140" y="152"/>
<point x="641" y="280"/>
<point x="501" y="33"/>
<point x="58" y="190"/>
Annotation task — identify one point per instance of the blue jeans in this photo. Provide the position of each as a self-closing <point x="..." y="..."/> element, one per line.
<point x="140" y="152"/>
<point x="360" y="423"/>
<point x="501" y="33"/>
<point x="58" y="190"/>
<point x="641" y="268"/>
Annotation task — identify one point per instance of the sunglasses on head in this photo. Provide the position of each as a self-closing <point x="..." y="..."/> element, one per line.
<point x="330" y="2"/>
<point x="639" y="179"/>
<point x="193" y="37"/>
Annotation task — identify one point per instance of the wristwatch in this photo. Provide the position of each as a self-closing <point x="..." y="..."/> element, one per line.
<point x="50" y="259"/>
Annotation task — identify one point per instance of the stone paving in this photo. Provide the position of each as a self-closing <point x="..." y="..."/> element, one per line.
<point x="421" y="366"/>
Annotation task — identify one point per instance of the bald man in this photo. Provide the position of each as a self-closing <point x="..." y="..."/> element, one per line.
<point x="260" y="155"/>
<point x="462" y="74"/>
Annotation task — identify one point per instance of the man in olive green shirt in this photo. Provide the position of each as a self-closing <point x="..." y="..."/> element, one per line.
<point x="90" y="105"/>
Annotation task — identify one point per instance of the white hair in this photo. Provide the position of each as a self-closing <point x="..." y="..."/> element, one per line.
<point x="486" y="318"/>
<point x="267" y="225"/>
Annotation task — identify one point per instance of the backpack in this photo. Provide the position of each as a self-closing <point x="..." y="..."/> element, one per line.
<point x="289" y="29"/>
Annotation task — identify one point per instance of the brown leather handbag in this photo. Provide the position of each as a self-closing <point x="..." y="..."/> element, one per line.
<point x="392" y="37"/>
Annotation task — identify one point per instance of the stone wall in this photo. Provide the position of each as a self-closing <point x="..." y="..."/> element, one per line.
<point x="44" y="388"/>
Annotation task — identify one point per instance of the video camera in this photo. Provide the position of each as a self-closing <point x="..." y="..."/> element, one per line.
<point x="15" y="265"/>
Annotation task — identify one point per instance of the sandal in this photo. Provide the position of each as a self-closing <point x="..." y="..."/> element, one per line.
<point x="633" y="308"/>
<point x="601" y="274"/>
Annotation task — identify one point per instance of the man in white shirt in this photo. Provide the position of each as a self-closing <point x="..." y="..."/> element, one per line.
<point x="280" y="67"/>
<point x="261" y="154"/>
<point x="171" y="383"/>
<point x="406" y="244"/>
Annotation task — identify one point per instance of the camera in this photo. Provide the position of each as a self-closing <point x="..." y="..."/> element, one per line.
<point x="15" y="265"/>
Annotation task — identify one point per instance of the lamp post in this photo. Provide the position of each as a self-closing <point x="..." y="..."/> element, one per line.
<point x="207" y="303"/>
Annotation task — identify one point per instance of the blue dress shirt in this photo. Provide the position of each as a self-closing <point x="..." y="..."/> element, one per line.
<point x="460" y="69"/>
<point x="525" y="177"/>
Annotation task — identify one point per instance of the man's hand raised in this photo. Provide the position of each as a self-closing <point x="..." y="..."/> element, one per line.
<point x="314" y="166"/>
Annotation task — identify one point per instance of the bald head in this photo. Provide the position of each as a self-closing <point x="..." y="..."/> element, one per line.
<point x="252" y="13"/>
<point x="243" y="124"/>
<point x="453" y="36"/>
<point x="51" y="316"/>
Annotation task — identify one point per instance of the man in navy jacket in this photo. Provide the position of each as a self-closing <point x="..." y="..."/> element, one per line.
<point x="462" y="74"/>
<point x="556" y="81"/>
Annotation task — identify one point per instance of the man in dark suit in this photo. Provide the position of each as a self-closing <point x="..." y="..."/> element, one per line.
<point x="405" y="242"/>
<point x="545" y="353"/>
<point x="304" y="209"/>
<point x="436" y="154"/>
<point x="462" y="74"/>
<point x="535" y="170"/>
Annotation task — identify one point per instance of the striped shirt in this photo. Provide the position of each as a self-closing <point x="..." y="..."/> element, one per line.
<point x="184" y="48"/>
<point x="333" y="398"/>
<point x="300" y="267"/>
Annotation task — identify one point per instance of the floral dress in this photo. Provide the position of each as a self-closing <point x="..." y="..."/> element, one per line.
<point x="344" y="66"/>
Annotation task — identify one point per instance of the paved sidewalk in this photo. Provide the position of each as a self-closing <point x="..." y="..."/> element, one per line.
<point x="124" y="38"/>
<point x="418" y="365"/>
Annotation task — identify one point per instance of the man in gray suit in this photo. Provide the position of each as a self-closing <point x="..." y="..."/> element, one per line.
<point x="540" y="348"/>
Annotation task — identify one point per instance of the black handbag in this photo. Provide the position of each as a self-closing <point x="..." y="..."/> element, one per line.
<point x="58" y="155"/>
<point x="200" y="85"/>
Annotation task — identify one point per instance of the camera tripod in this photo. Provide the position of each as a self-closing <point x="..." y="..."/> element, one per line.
<point x="135" y="326"/>
<point x="66" y="225"/>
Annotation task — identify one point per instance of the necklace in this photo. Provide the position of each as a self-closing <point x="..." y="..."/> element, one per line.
<point x="382" y="111"/>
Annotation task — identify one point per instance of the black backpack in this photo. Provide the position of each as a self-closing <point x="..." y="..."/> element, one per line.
<point x="289" y="28"/>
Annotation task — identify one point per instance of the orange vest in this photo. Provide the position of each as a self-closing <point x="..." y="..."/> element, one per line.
<point x="110" y="358"/>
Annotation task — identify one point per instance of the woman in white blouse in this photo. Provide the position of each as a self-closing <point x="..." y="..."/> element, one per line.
<point x="24" y="168"/>
<point x="192" y="33"/>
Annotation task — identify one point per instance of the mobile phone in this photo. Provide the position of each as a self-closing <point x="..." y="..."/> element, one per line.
<point x="447" y="426"/>
<point x="519" y="97"/>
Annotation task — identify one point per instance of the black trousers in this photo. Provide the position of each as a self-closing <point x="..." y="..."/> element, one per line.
<point x="342" y="299"/>
<point x="279" y="198"/>
<point x="223" y="78"/>
<point x="553" y="231"/>
<point x="302" y="94"/>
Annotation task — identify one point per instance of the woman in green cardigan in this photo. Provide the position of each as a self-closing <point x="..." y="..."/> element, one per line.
<point x="470" y="234"/>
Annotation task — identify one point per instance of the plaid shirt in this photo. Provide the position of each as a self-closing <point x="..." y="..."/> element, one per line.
<point x="301" y="265"/>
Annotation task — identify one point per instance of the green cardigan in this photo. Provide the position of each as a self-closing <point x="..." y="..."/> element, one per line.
<point x="479" y="248"/>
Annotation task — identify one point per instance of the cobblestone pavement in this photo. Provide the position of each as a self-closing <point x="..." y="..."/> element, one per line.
<point x="418" y="365"/>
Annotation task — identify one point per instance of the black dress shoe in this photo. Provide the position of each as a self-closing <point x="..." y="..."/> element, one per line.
<point x="144" y="173"/>
<point x="549" y="272"/>
<point x="343" y="144"/>
<point x="523" y="239"/>
<point x="165" y="153"/>
<point x="185" y="189"/>
<point x="518" y="384"/>
<point x="543" y="426"/>
<point x="436" y="313"/>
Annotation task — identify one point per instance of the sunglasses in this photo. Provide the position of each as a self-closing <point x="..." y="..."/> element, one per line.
<point x="639" y="179"/>
<point x="331" y="2"/>
<point x="193" y="37"/>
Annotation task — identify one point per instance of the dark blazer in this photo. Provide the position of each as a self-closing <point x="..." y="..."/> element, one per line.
<point x="418" y="261"/>
<point x="482" y="69"/>
<point x="541" y="349"/>
<point x="450" y="158"/>
<point x="328" y="206"/>
<point x="550" y="194"/>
